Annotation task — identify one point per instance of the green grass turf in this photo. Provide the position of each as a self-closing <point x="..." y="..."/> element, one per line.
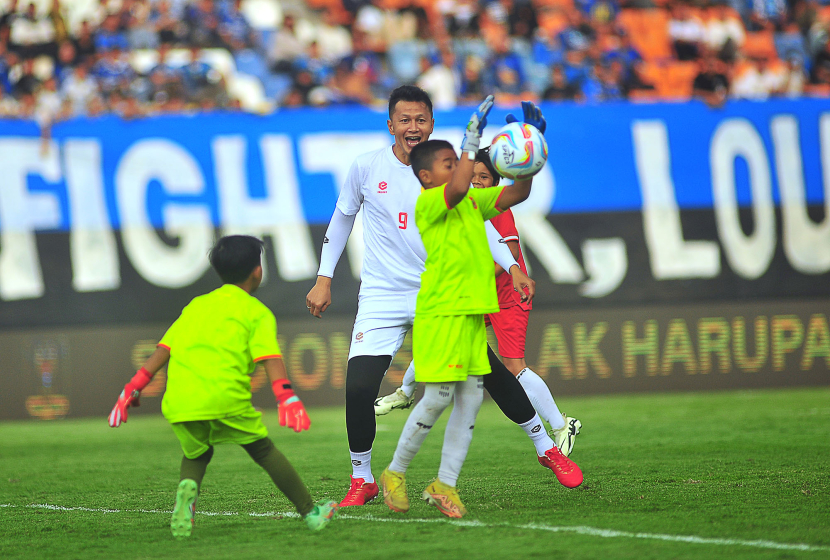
<point x="727" y="465"/>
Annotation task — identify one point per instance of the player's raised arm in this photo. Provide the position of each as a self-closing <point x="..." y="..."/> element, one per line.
<point x="520" y="189"/>
<point x="337" y="234"/>
<point x="132" y="390"/>
<point x="459" y="185"/>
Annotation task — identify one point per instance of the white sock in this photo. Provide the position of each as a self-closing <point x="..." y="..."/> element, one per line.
<point x="540" y="397"/>
<point x="459" y="433"/>
<point x="535" y="430"/>
<point x="408" y="385"/>
<point x="437" y="397"/>
<point x="362" y="465"/>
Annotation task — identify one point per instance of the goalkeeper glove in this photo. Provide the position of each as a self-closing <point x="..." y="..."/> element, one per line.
<point x="472" y="136"/>
<point x="129" y="397"/>
<point x="532" y="115"/>
<point x="291" y="409"/>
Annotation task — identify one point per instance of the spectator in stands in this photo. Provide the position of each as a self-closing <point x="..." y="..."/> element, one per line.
<point x="23" y="80"/>
<point x="724" y="32"/>
<point x="711" y="84"/>
<point x="766" y="15"/>
<point x="820" y="73"/>
<point x="234" y="29"/>
<point x="198" y="77"/>
<point x="48" y="108"/>
<point x="441" y="80"/>
<point x="202" y="21"/>
<point x="79" y="89"/>
<point x="473" y="85"/>
<point x="84" y="43"/>
<point x="169" y="27"/>
<point x="547" y="48"/>
<point x="521" y="18"/>
<point x="9" y="107"/>
<point x="109" y="36"/>
<point x="31" y="35"/>
<point x="286" y="47"/>
<point x="141" y="33"/>
<point x="796" y="78"/>
<point x="507" y="75"/>
<point x="113" y="71"/>
<point x="333" y="39"/>
<point x="560" y="89"/>
<point x="462" y="19"/>
<point x="578" y="35"/>
<point x="686" y="32"/>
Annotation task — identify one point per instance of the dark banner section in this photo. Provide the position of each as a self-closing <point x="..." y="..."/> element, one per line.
<point x="56" y="373"/>
<point x="578" y="261"/>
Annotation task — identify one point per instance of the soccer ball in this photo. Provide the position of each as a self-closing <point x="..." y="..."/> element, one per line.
<point x="518" y="151"/>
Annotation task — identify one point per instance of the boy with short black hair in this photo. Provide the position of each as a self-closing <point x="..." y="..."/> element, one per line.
<point x="449" y="343"/>
<point x="212" y="350"/>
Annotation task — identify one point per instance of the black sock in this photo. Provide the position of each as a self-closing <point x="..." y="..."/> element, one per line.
<point x="363" y="378"/>
<point x="507" y="391"/>
<point x="195" y="468"/>
<point x="281" y="472"/>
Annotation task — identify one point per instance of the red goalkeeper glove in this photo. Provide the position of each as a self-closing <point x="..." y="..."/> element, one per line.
<point x="129" y="397"/>
<point x="292" y="411"/>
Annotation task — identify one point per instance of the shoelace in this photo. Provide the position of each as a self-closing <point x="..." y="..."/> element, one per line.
<point x="562" y="463"/>
<point x="351" y="495"/>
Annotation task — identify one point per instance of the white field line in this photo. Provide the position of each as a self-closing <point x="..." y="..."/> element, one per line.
<point x="580" y="530"/>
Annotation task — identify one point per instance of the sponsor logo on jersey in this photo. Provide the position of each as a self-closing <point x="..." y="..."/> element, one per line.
<point x="359" y="337"/>
<point x="326" y="239"/>
<point x="382" y="187"/>
<point x="474" y="202"/>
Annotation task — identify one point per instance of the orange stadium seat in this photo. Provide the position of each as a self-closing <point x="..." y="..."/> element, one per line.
<point x="760" y="44"/>
<point x="649" y="32"/>
<point x="679" y="79"/>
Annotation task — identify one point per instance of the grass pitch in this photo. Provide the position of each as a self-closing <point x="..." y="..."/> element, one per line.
<point x="695" y="475"/>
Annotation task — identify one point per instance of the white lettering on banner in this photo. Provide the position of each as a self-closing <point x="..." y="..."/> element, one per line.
<point x="278" y="215"/>
<point x="334" y="153"/>
<point x="179" y="173"/>
<point x="806" y="244"/>
<point x="606" y="262"/>
<point x="22" y="212"/>
<point x="91" y="240"/>
<point x="748" y="255"/>
<point x="671" y="256"/>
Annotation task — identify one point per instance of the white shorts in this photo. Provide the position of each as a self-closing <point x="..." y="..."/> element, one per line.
<point x="382" y="323"/>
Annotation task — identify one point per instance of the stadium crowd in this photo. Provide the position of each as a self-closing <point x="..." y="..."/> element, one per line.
<point x="62" y="58"/>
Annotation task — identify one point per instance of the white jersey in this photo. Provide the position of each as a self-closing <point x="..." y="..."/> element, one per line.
<point x="394" y="257"/>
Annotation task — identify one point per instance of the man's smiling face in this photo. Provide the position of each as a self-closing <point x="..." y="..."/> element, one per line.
<point x="411" y="124"/>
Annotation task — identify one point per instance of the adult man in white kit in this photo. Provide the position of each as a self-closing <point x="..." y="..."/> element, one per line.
<point x="384" y="184"/>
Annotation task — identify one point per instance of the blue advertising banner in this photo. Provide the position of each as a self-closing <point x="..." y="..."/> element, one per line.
<point x="638" y="204"/>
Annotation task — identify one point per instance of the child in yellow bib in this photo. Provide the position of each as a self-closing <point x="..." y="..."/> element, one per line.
<point x="211" y="351"/>
<point x="449" y="342"/>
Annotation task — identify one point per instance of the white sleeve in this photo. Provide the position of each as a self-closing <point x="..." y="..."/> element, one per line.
<point x="501" y="252"/>
<point x="351" y="196"/>
<point x="334" y="242"/>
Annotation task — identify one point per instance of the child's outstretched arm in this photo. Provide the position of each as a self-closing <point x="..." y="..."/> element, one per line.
<point x="291" y="409"/>
<point x="132" y="390"/>
<point x="458" y="186"/>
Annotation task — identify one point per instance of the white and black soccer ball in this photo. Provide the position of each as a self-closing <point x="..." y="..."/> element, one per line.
<point x="519" y="151"/>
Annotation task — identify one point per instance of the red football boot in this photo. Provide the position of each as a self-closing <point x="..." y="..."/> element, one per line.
<point x="566" y="471"/>
<point x="360" y="493"/>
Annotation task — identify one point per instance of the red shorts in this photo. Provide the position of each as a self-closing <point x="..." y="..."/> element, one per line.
<point x="510" y="326"/>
